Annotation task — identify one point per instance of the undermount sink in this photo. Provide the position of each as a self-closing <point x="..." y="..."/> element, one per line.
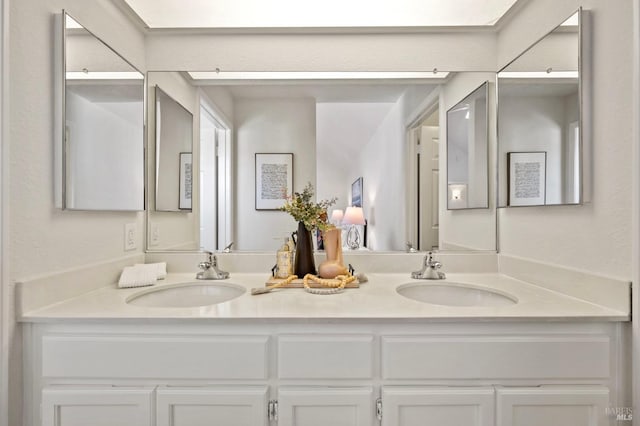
<point x="187" y="295"/>
<point x="454" y="294"/>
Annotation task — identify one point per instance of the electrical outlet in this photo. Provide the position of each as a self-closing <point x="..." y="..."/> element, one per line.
<point x="154" y="238"/>
<point x="130" y="232"/>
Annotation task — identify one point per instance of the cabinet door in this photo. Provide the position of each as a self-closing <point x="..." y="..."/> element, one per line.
<point x="552" y="406"/>
<point x="302" y="406"/>
<point x="427" y="406"/>
<point x="96" y="406"/>
<point x="229" y="406"/>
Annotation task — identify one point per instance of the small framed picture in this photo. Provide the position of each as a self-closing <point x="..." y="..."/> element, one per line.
<point x="527" y="173"/>
<point x="186" y="181"/>
<point x="274" y="180"/>
<point x="356" y="193"/>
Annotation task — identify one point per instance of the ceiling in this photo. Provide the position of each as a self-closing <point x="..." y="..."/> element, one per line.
<point x="220" y="14"/>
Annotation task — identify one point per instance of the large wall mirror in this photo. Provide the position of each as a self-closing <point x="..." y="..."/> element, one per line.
<point x="468" y="151"/>
<point x="541" y="142"/>
<point x="100" y="139"/>
<point x="342" y="132"/>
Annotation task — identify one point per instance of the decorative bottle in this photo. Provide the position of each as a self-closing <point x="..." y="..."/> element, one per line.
<point x="284" y="260"/>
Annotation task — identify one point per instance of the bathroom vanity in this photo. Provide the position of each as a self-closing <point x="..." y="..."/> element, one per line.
<point x="366" y="356"/>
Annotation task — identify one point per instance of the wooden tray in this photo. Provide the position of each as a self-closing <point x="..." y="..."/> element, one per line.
<point x="298" y="283"/>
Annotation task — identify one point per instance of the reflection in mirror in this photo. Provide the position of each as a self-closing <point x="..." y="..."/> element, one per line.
<point x="102" y="126"/>
<point x="468" y="152"/>
<point x="540" y="134"/>
<point x="174" y="145"/>
<point x="470" y="229"/>
<point x="338" y="130"/>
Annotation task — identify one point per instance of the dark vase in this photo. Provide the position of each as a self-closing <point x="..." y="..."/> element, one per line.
<point x="304" y="263"/>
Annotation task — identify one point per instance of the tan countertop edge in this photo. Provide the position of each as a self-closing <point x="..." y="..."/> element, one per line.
<point x="376" y="300"/>
<point x="605" y="291"/>
<point x="36" y="292"/>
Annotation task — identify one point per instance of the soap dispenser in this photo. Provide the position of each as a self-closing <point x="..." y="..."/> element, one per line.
<point x="284" y="260"/>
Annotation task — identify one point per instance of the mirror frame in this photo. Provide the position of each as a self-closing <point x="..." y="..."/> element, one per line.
<point x="584" y="137"/>
<point x="60" y="114"/>
<point x="487" y="139"/>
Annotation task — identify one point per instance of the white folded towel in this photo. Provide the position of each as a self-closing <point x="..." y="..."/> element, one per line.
<point x="138" y="276"/>
<point x="161" y="268"/>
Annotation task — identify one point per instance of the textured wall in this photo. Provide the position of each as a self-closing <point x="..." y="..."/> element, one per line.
<point x="41" y="238"/>
<point x="595" y="237"/>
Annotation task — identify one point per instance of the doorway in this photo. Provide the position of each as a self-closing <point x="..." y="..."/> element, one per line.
<point x="423" y="166"/>
<point x="215" y="181"/>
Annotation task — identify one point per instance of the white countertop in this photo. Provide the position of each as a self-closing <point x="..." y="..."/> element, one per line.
<point x="376" y="299"/>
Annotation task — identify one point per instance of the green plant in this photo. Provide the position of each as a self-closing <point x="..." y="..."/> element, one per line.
<point x="303" y="209"/>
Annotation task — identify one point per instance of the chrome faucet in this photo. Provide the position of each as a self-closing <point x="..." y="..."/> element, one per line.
<point x="429" y="269"/>
<point x="210" y="269"/>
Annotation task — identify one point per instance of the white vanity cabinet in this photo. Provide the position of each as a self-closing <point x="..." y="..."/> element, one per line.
<point x="97" y="406"/>
<point x="312" y="373"/>
<point x="193" y="406"/>
<point x="335" y="406"/>
<point x="438" y="406"/>
<point x="553" y="406"/>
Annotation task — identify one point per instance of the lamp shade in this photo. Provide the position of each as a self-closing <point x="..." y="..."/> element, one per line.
<point x="353" y="216"/>
<point x="336" y="216"/>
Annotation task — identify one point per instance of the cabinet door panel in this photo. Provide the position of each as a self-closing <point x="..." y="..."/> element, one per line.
<point x="298" y="406"/>
<point x="552" y="406"/>
<point x="228" y="406"/>
<point x="424" y="406"/>
<point x="78" y="406"/>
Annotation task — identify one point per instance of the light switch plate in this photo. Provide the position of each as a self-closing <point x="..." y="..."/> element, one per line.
<point x="154" y="238"/>
<point x="130" y="231"/>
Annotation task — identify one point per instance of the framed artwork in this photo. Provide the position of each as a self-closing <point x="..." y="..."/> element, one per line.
<point x="186" y="181"/>
<point x="274" y="180"/>
<point x="527" y="172"/>
<point x="356" y="193"/>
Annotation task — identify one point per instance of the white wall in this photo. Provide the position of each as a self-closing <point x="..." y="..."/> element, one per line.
<point x="59" y="239"/>
<point x="270" y="126"/>
<point x="533" y="123"/>
<point x="635" y="228"/>
<point x="476" y="228"/>
<point x="105" y="154"/>
<point x="343" y="129"/>
<point x="221" y="100"/>
<point x="41" y="238"/>
<point x="323" y="52"/>
<point x="177" y="230"/>
<point x="594" y="237"/>
<point x="381" y="166"/>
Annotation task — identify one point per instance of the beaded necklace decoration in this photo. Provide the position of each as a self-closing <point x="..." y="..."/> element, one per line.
<point x="335" y="285"/>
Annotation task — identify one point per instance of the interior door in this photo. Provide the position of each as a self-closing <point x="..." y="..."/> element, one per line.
<point x="428" y="178"/>
<point x="208" y="182"/>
